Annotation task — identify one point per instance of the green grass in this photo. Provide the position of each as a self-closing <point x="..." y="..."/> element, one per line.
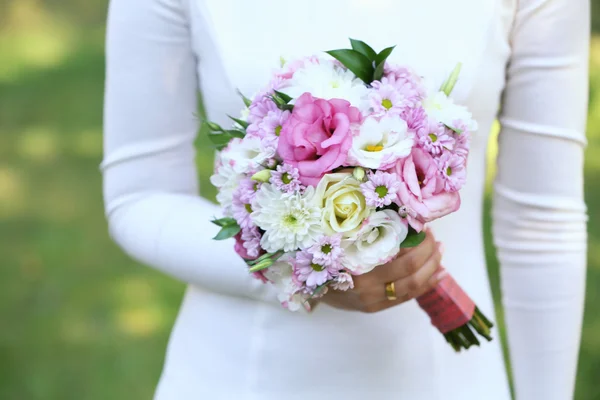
<point x="78" y="319"/>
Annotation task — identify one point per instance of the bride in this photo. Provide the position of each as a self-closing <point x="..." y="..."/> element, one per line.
<point x="232" y="340"/>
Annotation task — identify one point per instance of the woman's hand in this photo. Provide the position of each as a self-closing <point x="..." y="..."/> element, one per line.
<point x="414" y="272"/>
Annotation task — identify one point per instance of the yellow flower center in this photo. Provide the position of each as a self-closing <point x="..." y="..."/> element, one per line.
<point x="326" y="249"/>
<point x="386" y="103"/>
<point x="286" y="178"/>
<point x="433" y="137"/>
<point x="278" y="130"/>
<point x="448" y="171"/>
<point x="373" y="148"/>
<point x="317" y="267"/>
<point x="248" y="208"/>
<point x="381" y="191"/>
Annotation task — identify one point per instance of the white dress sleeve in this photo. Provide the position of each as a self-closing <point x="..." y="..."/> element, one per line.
<point x="539" y="212"/>
<point x="150" y="184"/>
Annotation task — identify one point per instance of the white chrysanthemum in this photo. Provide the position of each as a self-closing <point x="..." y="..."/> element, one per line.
<point x="247" y="154"/>
<point x="326" y="80"/>
<point x="442" y="108"/>
<point x="380" y="144"/>
<point x="290" y="221"/>
<point x="377" y="242"/>
<point x="281" y="276"/>
<point x="226" y="180"/>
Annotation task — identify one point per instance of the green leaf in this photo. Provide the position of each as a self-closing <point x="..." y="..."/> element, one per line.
<point x="283" y="96"/>
<point x="219" y="140"/>
<point x="356" y="62"/>
<point x="246" y="100"/>
<point x="383" y="55"/>
<point x="364" y="49"/>
<point x="236" y="133"/>
<point x="222" y="222"/>
<point x="455" y="130"/>
<point x="413" y="239"/>
<point x="240" y="122"/>
<point x="378" y="74"/>
<point x="227" y="232"/>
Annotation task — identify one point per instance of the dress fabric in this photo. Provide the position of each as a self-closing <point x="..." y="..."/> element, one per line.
<point x="232" y="340"/>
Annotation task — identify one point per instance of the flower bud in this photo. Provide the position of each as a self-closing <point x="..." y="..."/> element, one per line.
<point x="262" y="176"/>
<point x="359" y="174"/>
<point x="266" y="263"/>
<point x="448" y="85"/>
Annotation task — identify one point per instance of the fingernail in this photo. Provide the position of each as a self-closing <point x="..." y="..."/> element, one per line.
<point x="441" y="275"/>
<point x="441" y="248"/>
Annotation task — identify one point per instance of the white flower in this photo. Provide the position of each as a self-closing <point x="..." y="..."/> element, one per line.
<point x="344" y="205"/>
<point x="326" y="80"/>
<point x="380" y="144"/>
<point x="290" y="221"/>
<point x="443" y="109"/>
<point x="226" y="180"/>
<point x="281" y="275"/>
<point x="377" y="242"/>
<point x="247" y="154"/>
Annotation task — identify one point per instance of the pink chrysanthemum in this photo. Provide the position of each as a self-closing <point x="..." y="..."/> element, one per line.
<point x="381" y="189"/>
<point x="311" y="273"/>
<point x="286" y="178"/>
<point x="452" y="170"/>
<point x="259" y="109"/>
<point x="343" y="282"/>
<point x="251" y="241"/>
<point x="273" y="122"/>
<point x="434" y="138"/>
<point x="415" y="118"/>
<point x="386" y="99"/>
<point x="242" y="200"/>
<point x="327" y="250"/>
<point x="462" y="139"/>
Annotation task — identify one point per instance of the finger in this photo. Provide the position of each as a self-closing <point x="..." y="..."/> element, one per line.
<point x="406" y="264"/>
<point x="439" y="275"/>
<point x="417" y="282"/>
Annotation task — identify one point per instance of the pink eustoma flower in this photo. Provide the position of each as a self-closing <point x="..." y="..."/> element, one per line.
<point x="317" y="136"/>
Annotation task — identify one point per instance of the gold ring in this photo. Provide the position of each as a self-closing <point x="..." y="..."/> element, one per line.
<point x="390" y="291"/>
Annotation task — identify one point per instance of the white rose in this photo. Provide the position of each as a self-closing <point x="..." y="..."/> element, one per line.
<point x="246" y="154"/>
<point x="442" y="108"/>
<point x="376" y="243"/>
<point x="344" y="205"/>
<point x="380" y="143"/>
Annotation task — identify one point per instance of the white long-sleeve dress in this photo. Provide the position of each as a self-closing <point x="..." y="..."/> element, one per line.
<point x="524" y="61"/>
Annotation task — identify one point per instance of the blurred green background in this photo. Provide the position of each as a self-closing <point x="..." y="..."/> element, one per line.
<point x="78" y="319"/>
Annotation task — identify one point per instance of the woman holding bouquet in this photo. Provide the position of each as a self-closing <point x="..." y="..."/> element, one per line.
<point x="232" y="339"/>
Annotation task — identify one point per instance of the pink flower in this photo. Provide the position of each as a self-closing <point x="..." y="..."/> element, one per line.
<point x="286" y="178"/>
<point x="261" y="106"/>
<point x="452" y="170"/>
<point x="312" y="273"/>
<point x="242" y="200"/>
<point x="317" y="136"/>
<point x="343" y="282"/>
<point x="435" y="138"/>
<point x="381" y="189"/>
<point x="462" y="140"/>
<point x="421" y="194"/>
<point x="393" y="96"/>
<point x="328" y="251"/>
<point x="415" y="118"/>
<point x="247" y="243"/>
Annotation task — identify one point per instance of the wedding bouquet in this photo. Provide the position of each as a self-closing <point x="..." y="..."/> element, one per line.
<point x="334" y="167"/>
